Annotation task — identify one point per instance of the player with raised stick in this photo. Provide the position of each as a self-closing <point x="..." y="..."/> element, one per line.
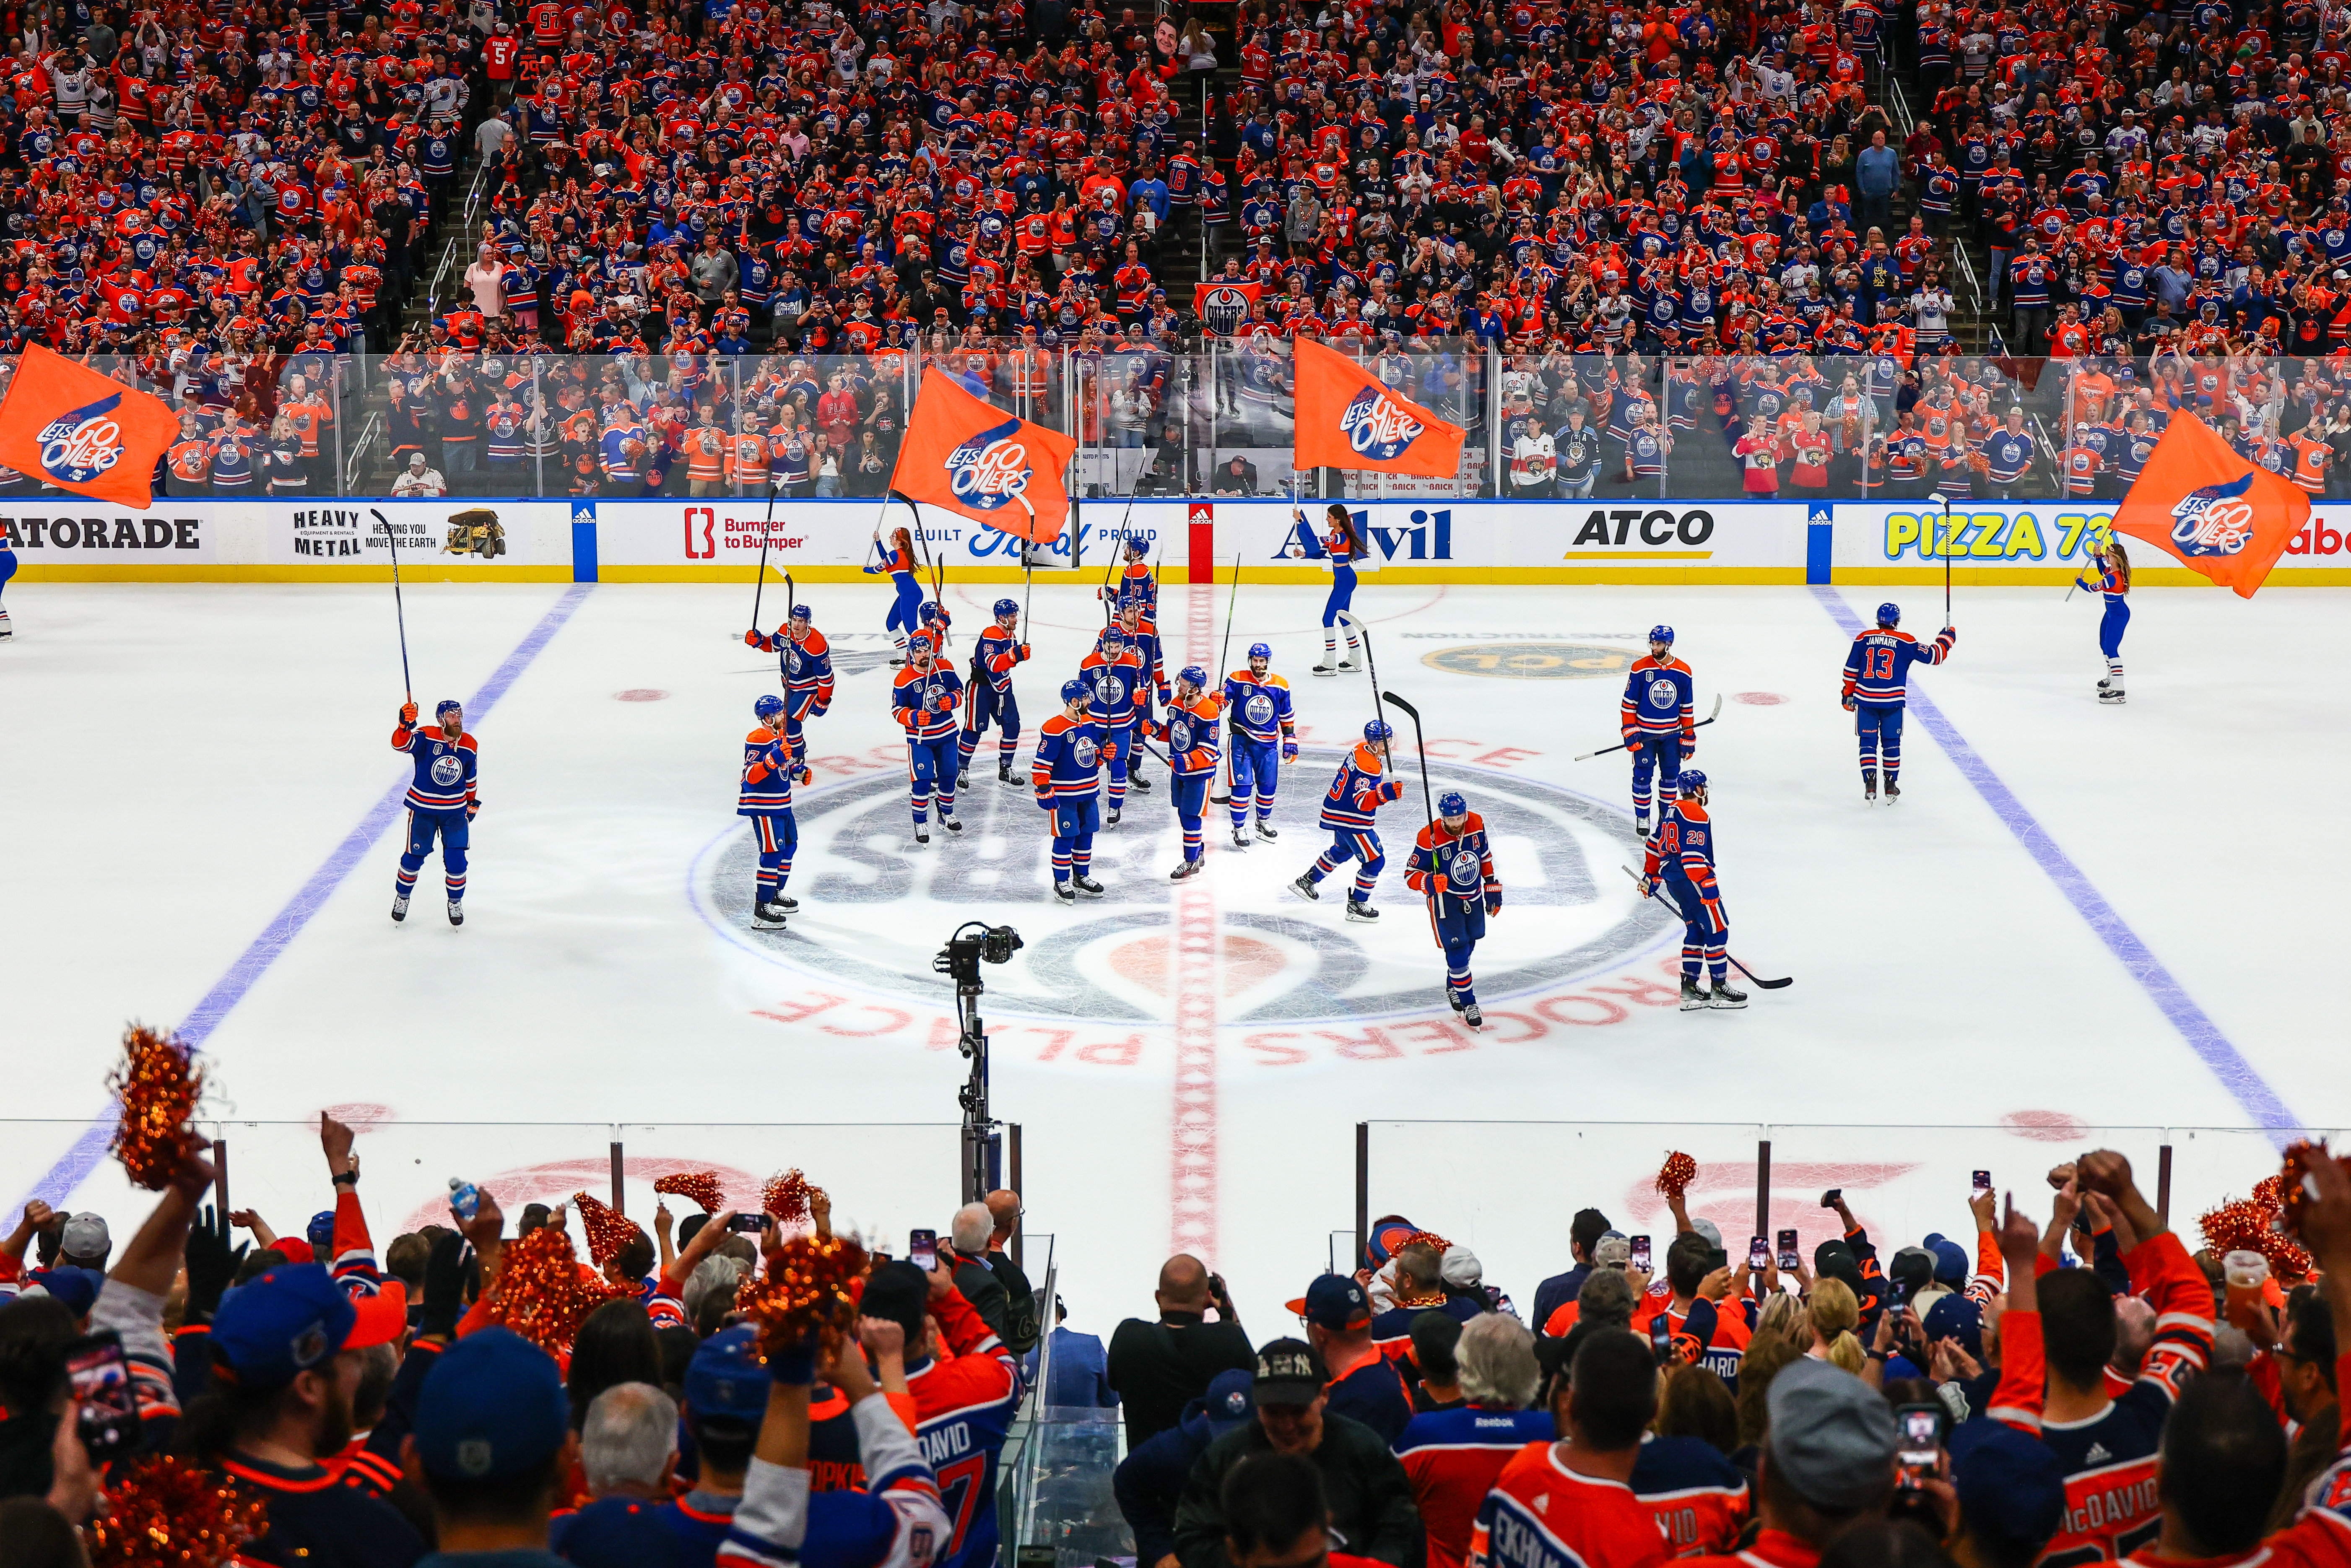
<point x="1067" y="774"/>
<point x="1258" y="702"/>
<point x="993" y="658"/>
<point x="441" y="801"/>
<point x="926" y="697"/>
<point x="1682" y="857"/>
<point x="1453" y="864"/>
<point x="806" y="660"/>
<point x="1658" y="720"/>
<point x="1356" y="792"/>
<point x="1113" y="676"/>
<point x="1876" y="677"/>
<point x="1143" y="641"/>
<point x="770" y="761"/>
<point x="1190" y="731"/>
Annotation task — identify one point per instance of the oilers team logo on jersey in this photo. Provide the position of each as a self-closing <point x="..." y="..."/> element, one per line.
<point x="1086" y="752"/>
<point x="1464" y="871"/>
<point x="1179" y="734"/>
<point x="1662" y="694"/>
<point x="991" y="468"/>
<point x="1106" y="688"/>
<point x="791" y="660"/>
<point x="447" y="770"/>
<point x="2213" y="519"/>
<point x="79" y="445"/>
<point x="1376" y="428"/>
<point x="1258" y="710"/>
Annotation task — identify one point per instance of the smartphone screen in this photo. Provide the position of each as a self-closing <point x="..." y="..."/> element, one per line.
<point x="923" y="1249"/>
<point x="1983" y="1181"/>
<point x="1788" y="1257"/>
<point x="1640" y="1254"/>
<point x="1758" y="1255"/>
<point x="748" y="1224"/>
<point x="101" y="1379"/>
<point x="1921" y="1450"/>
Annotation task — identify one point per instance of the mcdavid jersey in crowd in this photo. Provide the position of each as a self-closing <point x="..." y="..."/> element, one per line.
<point x="1684" y="843"/>
<point x="1112" y="683"/>
<point x="1658" y="698"/>
<point x="1356" y="791"/>
<point x="1462" y="863"/>
<point x="1070" y="752"/>
<point x="963" y="1409"/>
<point x="1877" y="669"/>
<point x="1696" y="1496"/>
<point x="1540" y="1514"/>
<point x="897" y="1522"/>
<point x="1259" y="705"/>
<point x="1191" y="736"/>
<point x="925" y="700"/>
<point x="445" y="768"/>
<point x="1452" y="1457"/>
<point x="766" y="773"/>
<point x="993" y="655"/>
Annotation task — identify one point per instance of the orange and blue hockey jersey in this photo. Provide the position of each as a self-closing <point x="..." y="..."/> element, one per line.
<point x="1261" y="707"/>
<point x="1684" y="847"/>
<point x="1697" y="1497"/>
<point x="993" y="656"/>
<point x="1877" y="668"/>
<point x="899" y="565"/>
<point x="1540" y="1514"/>
<point x="2109" y="1459"/>
<point x="1069" y="755"/>
<point x="897" y="1521"/>
<point x="1452" y="1457"/>
<point x="964" y="1408"/>
<point x="1357" y="791"/>
<point x="1191" y="733"/>
<point x="445" y="768"/>
<point x="1658" y="698"/>
<point x="1461" y="865"/>
<point x="766" y="773"/>
<point x="1112" y="683"/>
<point x="1137" y="586"/>
<point x="806" y="662"/>
<point x="926" y="699"/>
<point x="2111" y="582"/>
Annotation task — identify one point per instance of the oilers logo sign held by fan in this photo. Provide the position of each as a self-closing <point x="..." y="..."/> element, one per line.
<point x="74" y="428"/>
<point x="2215" y="519"/>
<point x="2222" y="517"/>
<point x="1222" y="307"/>
<point x="1376" y="427"/>
<point x="971" y="457"/>
<point x="992" y="468"/>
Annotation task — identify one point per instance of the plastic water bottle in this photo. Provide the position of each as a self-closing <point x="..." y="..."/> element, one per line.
<point x="464" y="1197"/>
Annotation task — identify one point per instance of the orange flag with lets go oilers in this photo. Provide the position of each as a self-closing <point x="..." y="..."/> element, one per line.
<point x="2222" y="516"/>
<point x="974" y="458"/>
<point x="66" y="426"/>
<point x="1349" y="418"/>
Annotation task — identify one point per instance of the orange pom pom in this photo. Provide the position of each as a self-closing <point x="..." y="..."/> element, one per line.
<point x="702" y="1186"/>
<point x="2301" y="1159"/>
<point x="608" y="1229"/>
<point x="787" y="1196"/>
<point x="1675" y="1176"/>
<point x="2231" y="1227"/>
<point x="810" y="1285"/>
<point x="1426" y="1238"/>
<point x="158" y="1084"/>
<point x="168" y="1513"/>
<point x="543" y="1293"/>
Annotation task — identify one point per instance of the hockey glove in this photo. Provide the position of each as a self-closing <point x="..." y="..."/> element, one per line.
<point x="473" y="810"/>
<point x="1493" y="904"/>
<point x="1021" y="653"/>
<point x="1289" y="751"/>
<point x="755" y="640"/>
<point x="1632" y="745"/>
<point x="1689" y="748"/>
<point x="407" y="714"/>
<point x="1849" y="704"/>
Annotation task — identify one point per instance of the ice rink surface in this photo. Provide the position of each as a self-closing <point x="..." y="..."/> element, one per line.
<point x="2077" y="917"/>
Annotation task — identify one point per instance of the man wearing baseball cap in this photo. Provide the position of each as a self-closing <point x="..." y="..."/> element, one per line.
<point x="286" y="1362"/>
<point x="1369" y="1496"/>
<point x="494" y="1440"/>
<point x="1827" y="1461"/>
<point x="1364" y="1385"/>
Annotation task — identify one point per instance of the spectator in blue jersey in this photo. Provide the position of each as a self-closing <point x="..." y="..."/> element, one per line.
<point x="1877" y="176"/>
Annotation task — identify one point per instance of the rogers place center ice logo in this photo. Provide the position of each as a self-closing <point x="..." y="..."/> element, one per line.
<point x="1376" y="428"/>
<point x="79" y="445"/>
<point x="873" y="906"/>
<point x="2214" y="519"/>
<point x="990" y="469"/>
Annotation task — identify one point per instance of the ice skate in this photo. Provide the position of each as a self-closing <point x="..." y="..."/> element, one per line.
<point x="1726" y="996"/>
<point x="456" y="912"/>
<point x="1188" y="868"/>
<point x="399" y="909"/>
<point x="2115" y="696"/>
<point x="773" y="913"/>
<point x="1266" y="830"/>
<point x="1693" y="1000"/>
<point x="952" y="824"/>
<point x="1304" y="887"/>
<point x="1358" y="910"/>
<point x="1472" y="1017"/>
<point x="1087" y="885"/>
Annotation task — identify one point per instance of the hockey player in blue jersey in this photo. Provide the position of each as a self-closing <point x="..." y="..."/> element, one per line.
<point x="1067" y="774"/>
<point x="1657" y="719"/>
<point x="1141" y="636"/>
<point x="805" y="660"/>
<point x="1135" y="584"/>
<point x="1263" y="727"/>
<point x="1356" y="792"/>
<point x="993" y="658"/>
<point x="1114" y="675"/>
<point x="770" y="763"/>
<point x="441" y="801"/>
<point x="926" y="697"/>
<point x="1877" y="675"/>
<point x="1453" y="865"/>
<point x="1342" y="547"/>
<point x="1190" y="731"/>
<point x="1682" y="857"/>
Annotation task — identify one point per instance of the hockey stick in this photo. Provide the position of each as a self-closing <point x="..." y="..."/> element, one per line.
<point x="1349" y="619"/>
<point x="766" y="525"/>
<point x="1945" y="552"/>
<point x="1709" y="719"/>
<point x="1428" y="800"/>
<point x="1224" y="668"/>
<point x="399" y="610"/>
<point x="1660" y="897"/>
<point x="1117" y="554"/>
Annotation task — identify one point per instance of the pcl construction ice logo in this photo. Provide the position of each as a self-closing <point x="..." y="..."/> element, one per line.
<point x="2213" y="519"/>
<point x="79" y="445"/>
<point x="1376" y="428"/>
<point x="991" y="468"/>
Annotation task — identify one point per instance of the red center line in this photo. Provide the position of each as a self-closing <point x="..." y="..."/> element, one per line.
<point x="1193" y="1134"/>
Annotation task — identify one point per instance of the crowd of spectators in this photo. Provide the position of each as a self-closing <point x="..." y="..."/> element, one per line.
<point x="2079" y="1390"/>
